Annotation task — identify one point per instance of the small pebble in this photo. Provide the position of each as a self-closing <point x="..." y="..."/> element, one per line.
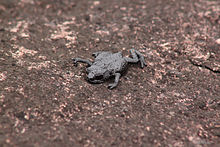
<point x="97" y="40"/>
<point x="218" y="41"/>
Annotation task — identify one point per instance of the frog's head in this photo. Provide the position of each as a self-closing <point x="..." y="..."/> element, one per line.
<point x="97" y="76"/>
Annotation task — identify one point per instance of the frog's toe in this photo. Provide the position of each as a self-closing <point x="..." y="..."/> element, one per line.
<point x="143" y="63"/>
<point x="74" y="61"/>
<point x="112" y="85"/>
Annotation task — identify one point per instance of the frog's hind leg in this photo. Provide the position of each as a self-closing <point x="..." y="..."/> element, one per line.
<point x="113" y="85"/>
<point x="76" y="60"/>
<point x="136" y="56"/>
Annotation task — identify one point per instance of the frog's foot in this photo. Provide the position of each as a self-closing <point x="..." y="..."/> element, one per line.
<point x="76" y="60"/>
<point x="136" y="56"/>
<point x="113" y="85"/>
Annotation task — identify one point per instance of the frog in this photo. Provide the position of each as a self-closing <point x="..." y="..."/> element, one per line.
<point x="108" y="65"/>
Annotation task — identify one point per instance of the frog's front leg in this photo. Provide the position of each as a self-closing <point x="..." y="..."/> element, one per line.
<point x="76" y="60"/>
<point x="113" y="85"/>
<point x="136" y="56"/>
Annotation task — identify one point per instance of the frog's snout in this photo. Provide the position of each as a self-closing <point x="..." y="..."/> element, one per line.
<point x="90" y="76"/>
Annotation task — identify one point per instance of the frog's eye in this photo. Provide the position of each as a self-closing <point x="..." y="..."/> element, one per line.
<point x="88" y="70"/>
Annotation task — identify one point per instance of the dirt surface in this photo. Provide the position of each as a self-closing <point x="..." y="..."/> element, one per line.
<point x="46" y="101"/>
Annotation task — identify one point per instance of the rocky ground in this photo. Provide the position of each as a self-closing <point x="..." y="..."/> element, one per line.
<point x="46" y="101"/>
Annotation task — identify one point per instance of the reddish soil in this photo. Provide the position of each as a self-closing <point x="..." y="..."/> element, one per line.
<point x="46" y="101"/>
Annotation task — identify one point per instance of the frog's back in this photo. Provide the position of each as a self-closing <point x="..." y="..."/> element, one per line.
<point x="113" y="62"/>
<point x="102" y="56"/>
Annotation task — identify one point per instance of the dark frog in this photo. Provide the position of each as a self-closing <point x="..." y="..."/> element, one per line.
<point x="107" y="65"/>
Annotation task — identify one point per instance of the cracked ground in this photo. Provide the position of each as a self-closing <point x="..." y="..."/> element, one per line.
<point x="46" y="101"/>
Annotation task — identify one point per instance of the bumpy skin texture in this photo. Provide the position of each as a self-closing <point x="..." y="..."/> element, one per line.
<point x="107" y="65"/>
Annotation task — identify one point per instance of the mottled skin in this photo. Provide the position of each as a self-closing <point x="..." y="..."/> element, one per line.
<point x="107" y="65"/>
